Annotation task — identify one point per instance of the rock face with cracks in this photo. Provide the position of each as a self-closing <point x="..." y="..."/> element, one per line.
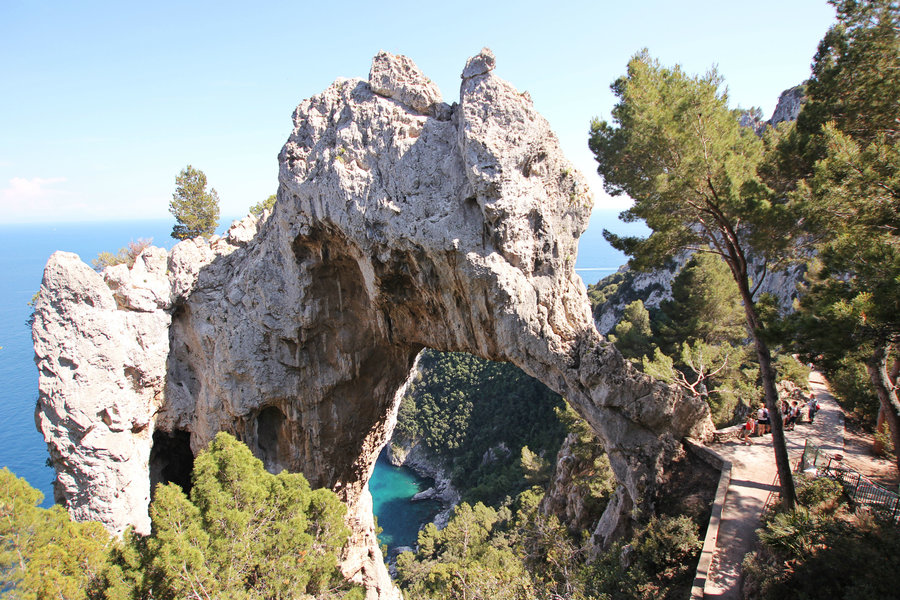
<point x="401" y="223"/>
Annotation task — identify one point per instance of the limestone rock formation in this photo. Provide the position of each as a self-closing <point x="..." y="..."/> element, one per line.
<point x="789" y="104"/>
<point x="401" y="223"/>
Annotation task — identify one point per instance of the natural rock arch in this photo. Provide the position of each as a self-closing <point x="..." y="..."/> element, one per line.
<point x="401" y="223"/>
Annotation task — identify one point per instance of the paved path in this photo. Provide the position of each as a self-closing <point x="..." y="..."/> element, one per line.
<point x="752" y="476"/>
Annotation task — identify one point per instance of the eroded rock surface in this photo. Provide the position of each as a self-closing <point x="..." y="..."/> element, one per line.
<point x="401" y="223"/>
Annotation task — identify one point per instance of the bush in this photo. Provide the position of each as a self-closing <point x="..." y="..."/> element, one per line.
<point x="657" y="564"/>
<point x="125" y="256"/>
<point x="852" y="387"/>
<point x="823" y="550"/>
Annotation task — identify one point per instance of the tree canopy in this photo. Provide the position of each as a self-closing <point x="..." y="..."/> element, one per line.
<point x="464" y="408"/>
<point x="196" y="210"/>
<point x="849" y="135"/>
<point x="243" y="534"/>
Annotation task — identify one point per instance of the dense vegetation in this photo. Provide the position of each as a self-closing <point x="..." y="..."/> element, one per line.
<point x="824" y="549"/>
<point x="697" y="340"/>
<point x="492" y="425"/>
<point x="824" y="189"/>
<point x="519" y="552"/>
<point x="243" y="533"/>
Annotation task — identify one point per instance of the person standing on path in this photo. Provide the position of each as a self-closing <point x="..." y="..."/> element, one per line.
<point x="747" y="430"/>
<point x="762" y="420"/>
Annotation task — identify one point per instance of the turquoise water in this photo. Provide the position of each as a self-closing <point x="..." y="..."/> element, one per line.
<point x="399" y="518"/>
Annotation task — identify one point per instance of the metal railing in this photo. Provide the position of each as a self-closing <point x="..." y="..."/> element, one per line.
<point x="862" y="491"/>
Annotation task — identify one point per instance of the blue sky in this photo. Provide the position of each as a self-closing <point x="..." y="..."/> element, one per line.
<point x="103" y="103"/>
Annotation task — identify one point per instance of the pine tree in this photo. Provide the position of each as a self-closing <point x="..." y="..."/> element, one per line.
<point x="632" y="334"/>
<point x="43" y="554"/>
<point x="196" y="211"/>
<point x="680" y="153"/>
<point x="705" y="306"/>
<point x="259" y="208"/>
<point x="270" y="536"/>
<point x="851" y="130"/>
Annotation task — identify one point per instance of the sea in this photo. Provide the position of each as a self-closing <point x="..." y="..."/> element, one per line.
<point x="24" y="250"/>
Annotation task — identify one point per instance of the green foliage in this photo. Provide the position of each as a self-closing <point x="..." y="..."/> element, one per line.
<point x="259" y="208"/>
<point x="244" y="533"/>
<point x="823" y="550"/>
<point x="196" y="211"/>
<point x="658" y="563"/>
<point x="632" y="335"/>
<point x="43" y="554"/>
<point x="536" y="469"/>
<point x="592" y="474"/>
<point x="854" y="85"/>
<point x="723" y="375"/>
<point x="469" y="558"/>
<point x="461" y="407"/>
<point x="845" y="150"/>
<point x="552" y="556"/>
<point x="125" y="256"/>
<point x="487" y="553"/>
<point x="604" y="290"/>
<point x="791" y="369"/>
<point x="705" y="306"/>
<point x="852" y="387"/>
<point x="819" y="494"/>
<point x="407" y="426"/>
<point x="680" y="153"/>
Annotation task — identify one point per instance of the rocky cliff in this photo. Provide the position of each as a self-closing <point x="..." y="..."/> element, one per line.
<point x="401" y="223"/>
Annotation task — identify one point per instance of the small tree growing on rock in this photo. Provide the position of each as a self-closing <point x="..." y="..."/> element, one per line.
<point x="195" y="210"/>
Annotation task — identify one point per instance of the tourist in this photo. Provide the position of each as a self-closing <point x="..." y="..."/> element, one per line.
<point x="762" y="420"/>
<point x="813" y="406"/>
<point x="747" y="430"/>
<point x="793" y="415"/>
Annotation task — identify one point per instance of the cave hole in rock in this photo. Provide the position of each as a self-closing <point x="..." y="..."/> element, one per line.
<point x="274" y="449"/>
<point x="171" y="459"/>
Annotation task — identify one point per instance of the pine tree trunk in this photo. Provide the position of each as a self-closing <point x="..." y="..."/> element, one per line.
<point x="886" y="392"/>
<point x="767" y="375"/>
<point x="880" y="425"/>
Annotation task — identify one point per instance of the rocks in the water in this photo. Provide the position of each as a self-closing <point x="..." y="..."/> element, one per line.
<point x="428" y="494"/>
<point x="401" y="223"/>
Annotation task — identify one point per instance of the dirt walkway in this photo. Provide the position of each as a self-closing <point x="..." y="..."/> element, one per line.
<point x="752" y="477"/>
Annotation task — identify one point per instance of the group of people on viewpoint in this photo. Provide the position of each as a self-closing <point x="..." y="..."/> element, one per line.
<point x="758" y="422"/>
